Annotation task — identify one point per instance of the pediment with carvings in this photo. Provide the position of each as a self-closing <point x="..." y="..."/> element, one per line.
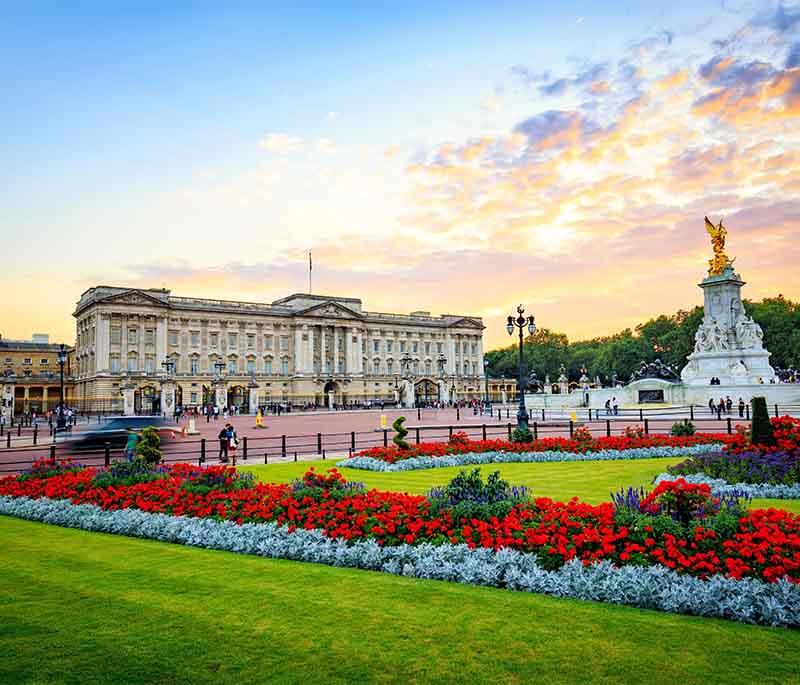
<point x="134" y="297"/>
<point x="467" y="322"/>
<point x="332" y="310"/>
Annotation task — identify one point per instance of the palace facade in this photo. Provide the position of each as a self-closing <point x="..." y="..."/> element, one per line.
<point x="299" y="349"/>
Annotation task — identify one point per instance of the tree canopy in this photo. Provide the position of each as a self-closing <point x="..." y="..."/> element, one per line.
<point x="668" y="338"/>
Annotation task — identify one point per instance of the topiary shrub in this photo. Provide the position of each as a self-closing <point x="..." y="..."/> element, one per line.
<point x="761" y="428"/>
<point x="520" y="435"/>
<point x="148" y="447"/>
<point x="683" y="428"/>
<point x="401" y="433"/>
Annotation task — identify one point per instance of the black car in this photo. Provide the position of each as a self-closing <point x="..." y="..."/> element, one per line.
<point x="114" y="432"/>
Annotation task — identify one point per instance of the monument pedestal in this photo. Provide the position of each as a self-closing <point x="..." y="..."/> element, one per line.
<point x="728" y="344"/>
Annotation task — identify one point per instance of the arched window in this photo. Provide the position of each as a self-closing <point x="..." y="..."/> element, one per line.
<point x="232" y="365"/>
<point x="466" y="368"/>
<point x="376" y="367"/>
<point x="133" y="362"/>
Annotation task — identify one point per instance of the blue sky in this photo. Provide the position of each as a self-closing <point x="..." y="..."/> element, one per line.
<point x="430" y="145"/>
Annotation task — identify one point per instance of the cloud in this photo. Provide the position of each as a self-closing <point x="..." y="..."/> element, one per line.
<point x="325" y="145"/>
<point x="793" y="58"/>
<point x="527" y="76"/>
<point x="781" y="19"/>
<point x="280" y="143"/>
<point x="596" y="72"/>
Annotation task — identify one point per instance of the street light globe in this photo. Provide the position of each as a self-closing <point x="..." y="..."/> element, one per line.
<point x="510" y="326"/>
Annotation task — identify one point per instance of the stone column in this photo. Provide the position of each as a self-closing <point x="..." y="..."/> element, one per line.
<point x="252" y="387"/>
<point x="310" y="349"/>
<point x="322" y="351"/>
<point x="102" y="342"/>
<point x="359" y="358"/>
<point x="348" y="350"/>
<point x="450" y="347"/>
<point x="334" y="363"/>
<point x="161" y="340"/>
<point x="299" y="357"/>
<point x="7" y="403"/>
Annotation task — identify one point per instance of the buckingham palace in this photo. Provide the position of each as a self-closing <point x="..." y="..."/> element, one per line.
<point x="146" y="350"/>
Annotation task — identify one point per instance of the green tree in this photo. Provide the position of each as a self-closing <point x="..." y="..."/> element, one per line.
<point x="148" y="447"/>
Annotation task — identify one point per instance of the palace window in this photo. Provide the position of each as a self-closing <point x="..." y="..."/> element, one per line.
<point x="402" y="345"/>
<point x="133" y="337"/>
<point x="267" y="342"/>
<point x="427" y="348"/>
<point x="116" y="335"/>
<point x="415" y="347"/>
<point x="439" y="347"/>
<point x="268" y="366"/>
<point x="232" y="366"/>
<point x="474" y="348"/>
<point x="149" y="364"/>
<point x="328" y="366"/>
<point x="193" y="397"/>
<point x="232" y="341"/>
<point x="285" y="367"/>
<point x="251" y="341"/>
<point x="173" y="338"/>
<point x="149" y="336"/>
<point x="284" y="343"/>
<point x="389" y="345"/>
<point x="27" y="360"/>
<point x="44" y="362"/>
<point x="214" y="338"/>
<point x="466" y="368"/>
<point x="251" y="366"/>
<point x="389" y="367"/>
<point x="133" y="363"/>
<point x="376" y="346"/>
<point x="428" y="367"/>
<point x="194" y="365"/>
<point x="415" y="366"/>
<point x="114" y="363"/>
<point x="376" y="368"/>
<point x="195" y="338"/>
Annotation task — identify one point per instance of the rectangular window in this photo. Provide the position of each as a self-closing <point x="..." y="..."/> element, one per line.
<point x="284" y="343"/>
<point x="466" y="347"/>
<point x="285" y="367"/>
<point x="133" y="336"/>
<point x="428" y="367"/>
<point x="232" y="341"/>
<point x="327" y="366"/>
<point x="439" y="347"/>
<point x="214" y="338"/>
<point x="376" y="346"/>
<point x="427" y="348"/>
<point x="251" y="341"/>
<point x="149" y="364"/>
<point x="389" y="346"/>
<point x="376" y="368"/>
<point x="474" y="348"/>
<point x="114" y="364"/>
<point x="402" y="345"/>
<point x="44" y="362"/>
<point x="27" y="360"/>
<point x="173" y="338"/>
<point x="193" y="397"/>
<point x="232" y="366"/>
<point x="268" y="366"/>
<point x="195" y="338"/>
<point x="116" y="335"/>
<point x="194" y="365"/>
<point x="268" y="342"/>
<point x="415" y="347"/>
<point x="251" y="366"/>
<point x="149" y="336"/>
<point x="133" y="364"/>
<point x="390" y="367"/>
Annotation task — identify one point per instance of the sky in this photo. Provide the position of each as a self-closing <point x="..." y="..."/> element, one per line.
<point x="457" y="157"/>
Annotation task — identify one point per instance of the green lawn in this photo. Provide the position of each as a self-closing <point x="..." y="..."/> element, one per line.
<point x="590" y="481"/>
<point x="78" y="607"/>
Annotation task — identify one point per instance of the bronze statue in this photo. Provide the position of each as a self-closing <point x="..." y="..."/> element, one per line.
<point x="720" y="261"/>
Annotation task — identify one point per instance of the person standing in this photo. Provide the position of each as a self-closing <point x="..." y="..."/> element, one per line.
<point x="711" y="406"/>
<point x="720" y="408"/>
<point x="224" y="441"/>
<point x="741" y="408"/>
<point x="615" y="407"/>
<point x="728" y="405"/>
<point x="216" y="412"/>
<point x="233" y="441"/>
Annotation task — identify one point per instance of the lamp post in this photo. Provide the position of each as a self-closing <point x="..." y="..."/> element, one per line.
<point x="441" y="361"/>
<point x="520" y="323"/>
<point x="169" y="367"/>
<point x="219" y="366"/>
<point x="486" y="378"/>
<point x="61" y="421"/>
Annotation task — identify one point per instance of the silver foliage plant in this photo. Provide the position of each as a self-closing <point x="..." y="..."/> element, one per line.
<point x="720" y="487"/>
<point x="654" y="587"/>
<point x="417" y="463"/>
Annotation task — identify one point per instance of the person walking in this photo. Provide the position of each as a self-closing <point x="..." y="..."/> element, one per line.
<point x="711" y="406"/>
<point x="130" y="444"/>
<point x="608" y="407"/>
<point x="216" y="412"/>
<point x="224" y="441"/>
<point x="233" y="442"/>
<point x="741" y="408"/>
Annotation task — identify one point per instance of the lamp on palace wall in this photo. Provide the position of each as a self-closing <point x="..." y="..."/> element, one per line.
<point x="61" y="420"/>
<point x="520" y="323"/>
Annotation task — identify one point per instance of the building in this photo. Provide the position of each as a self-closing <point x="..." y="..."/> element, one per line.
<point x="299" y="349"/>
<point x="31" y="375"/>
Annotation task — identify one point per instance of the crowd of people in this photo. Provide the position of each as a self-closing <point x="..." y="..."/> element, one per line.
<point x="725" y="406"/>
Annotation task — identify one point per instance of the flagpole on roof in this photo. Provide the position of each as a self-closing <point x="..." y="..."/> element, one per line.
<point x="309" y="272"/>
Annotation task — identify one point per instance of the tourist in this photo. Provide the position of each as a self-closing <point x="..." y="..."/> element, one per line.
<point x="728" y="404"/>
<point x="711" y="406"/>
<point x="216" y="412"/>
<point x="130" y="445"/>
<point x="741" y="408"/>
<point x="233" y="441"/>
<point x="608" y="407"/>
<point x="615" y="406"/>
<point x="223" y="444"/>
<point x="720" y="408"/>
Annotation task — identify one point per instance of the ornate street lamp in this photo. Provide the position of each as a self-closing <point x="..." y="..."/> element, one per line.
<point x="486" y="377"/>
<point x="220" y="367"/>
<point x="441" y="361"/>
<point x="61" y="421"/>
<point x="520" y="323"/>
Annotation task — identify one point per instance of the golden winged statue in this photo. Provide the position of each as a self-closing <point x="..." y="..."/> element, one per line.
<point x="720" y="261"/>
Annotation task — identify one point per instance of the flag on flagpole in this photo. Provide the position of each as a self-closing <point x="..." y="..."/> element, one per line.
<point x="310" y="268"/>
<point x="309" y="260"/>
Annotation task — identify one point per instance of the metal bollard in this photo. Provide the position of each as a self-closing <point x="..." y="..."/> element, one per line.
<point x="730" y="427"/>
<point x="608" y="428"/>
<point x="691" y="412"/>
<point x="535" y="430"/>
<point x="416" y="430"/>
<point x="450" y="431"/>
<point x="509" y="431"/>
<point x="202" y="450"/>
<point x="483" y="431"/>
<point x="385" y="438"/>
<point x="458" y="414"/>
<point x="35" y="434"/>
<point x="641" y="415"/>
<point x="53" y="452"/>
<point x="295" y="456"/>
<point x="107" y="454"/>
<point x="319" y="443"/>
<point x="266" y="458"/>
<point x="646" y="426"/>
<point x="323" y="455"/>
<point x="283" y="446"/>
<point x="571" y="429"/>
<point x="543" y="419"/>
<point x="244" y="448"/>
<point x="352" y="441"/>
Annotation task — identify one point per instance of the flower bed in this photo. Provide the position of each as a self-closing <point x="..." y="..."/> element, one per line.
<point x="368" y="463"/>
<point x="581" y="443"/>
<point x="720" y="486"/>
<point x="679" y="528"/>
<point x="653" y="587"/>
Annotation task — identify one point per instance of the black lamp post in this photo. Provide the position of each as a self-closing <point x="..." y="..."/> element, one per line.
<point x="441" y="361"/>
<point x="61" y="421"/>
<point x="520" y="323"/>
<point x="486" y="377"/>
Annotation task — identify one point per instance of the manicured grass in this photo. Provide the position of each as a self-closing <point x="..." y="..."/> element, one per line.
<point x="78" y="607"/>
<point x="590" y="481"/>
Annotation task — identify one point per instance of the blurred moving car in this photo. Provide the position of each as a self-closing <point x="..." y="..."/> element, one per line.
<point x="114" y="432"/>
